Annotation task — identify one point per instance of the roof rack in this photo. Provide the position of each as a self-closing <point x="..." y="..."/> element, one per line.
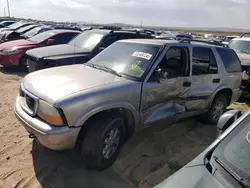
<point x="244" y="34"/>
<point x="217" y="43"/>
<point x="131" y="31"/>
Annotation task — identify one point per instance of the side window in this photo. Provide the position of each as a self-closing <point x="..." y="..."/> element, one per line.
<point x="68" y="37"/>
<point x="110" y="39"/>
<point x="203" y="62"/>
<point x="230" y="60"/>
<point x="58" y="39"/>
<point x="175" y="62"/>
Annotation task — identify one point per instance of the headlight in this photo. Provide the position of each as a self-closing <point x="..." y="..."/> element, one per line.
<point x="49" y="113"/>
<point x="10" y="52"/>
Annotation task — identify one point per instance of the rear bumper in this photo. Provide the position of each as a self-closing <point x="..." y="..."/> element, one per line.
<point x="55" y="138"/>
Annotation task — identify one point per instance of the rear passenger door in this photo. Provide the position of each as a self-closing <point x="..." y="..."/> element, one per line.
<point x="204" y="79"/>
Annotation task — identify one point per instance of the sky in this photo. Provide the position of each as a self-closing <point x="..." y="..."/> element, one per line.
<point x="174" y="13"/>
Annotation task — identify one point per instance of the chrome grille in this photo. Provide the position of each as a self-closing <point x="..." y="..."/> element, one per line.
<point x="29" y="102"/>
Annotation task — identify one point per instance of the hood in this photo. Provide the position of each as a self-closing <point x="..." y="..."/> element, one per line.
<point x="6" y="29"/>
<point x="57" y="50"/>
<point x="244" y="58"/>
<point x="4" y="34"/>
<point x="191" y="177"/>
<point x="56" y="83"/>
<point x="16" y="43"/>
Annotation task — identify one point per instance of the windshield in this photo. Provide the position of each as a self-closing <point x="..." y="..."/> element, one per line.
<point x="42" y="36"/>
<point x="15" y="25"/>
<point x="87" y="40"/>
<point x="240" y="45"/>
<point x="25" y="28"/>
<point x="130" y="59"/>
<point x="234" y="150"/>
<point x="32" y="32"/>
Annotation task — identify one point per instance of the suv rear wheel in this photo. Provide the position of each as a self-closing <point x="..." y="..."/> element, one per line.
<point x="217" y="108"/>
<point x="103" y="141"/>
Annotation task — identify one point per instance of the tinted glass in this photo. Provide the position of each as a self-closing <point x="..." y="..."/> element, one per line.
<point x="15" y="25"/>
<point x="32" y="32"/>
<point x="42" y="36"/>
<point x="25" y="28"/>
<point x="174" y="62"/>
<point x="240" y="45"/>
<point x="87" y="40"/>
<point x="131" y="59"/>
<point x="213" y="67"/>
<point x="230" y="60"/>
<point x="200" y="60"/>
<point x="234" y="150"/>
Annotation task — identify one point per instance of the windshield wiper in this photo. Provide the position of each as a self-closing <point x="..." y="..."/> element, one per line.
<point x="112" y="71"/>
<point x="103" y="68"/>
<point x="238" y="178"/>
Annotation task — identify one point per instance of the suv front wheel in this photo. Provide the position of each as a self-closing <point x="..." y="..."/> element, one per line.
<point x="103" y="141"/>
<point x="217" y="108"/>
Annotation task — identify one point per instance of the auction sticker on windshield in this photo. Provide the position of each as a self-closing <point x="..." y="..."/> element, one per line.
<point x="142" y="55"/>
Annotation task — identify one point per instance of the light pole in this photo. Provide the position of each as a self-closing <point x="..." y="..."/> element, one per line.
<point x="8" y="7"/>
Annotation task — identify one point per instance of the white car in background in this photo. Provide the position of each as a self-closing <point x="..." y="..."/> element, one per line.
<point x="227" y="39"/>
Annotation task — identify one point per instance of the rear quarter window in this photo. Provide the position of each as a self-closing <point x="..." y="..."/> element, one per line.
<point x="230" y="60"/>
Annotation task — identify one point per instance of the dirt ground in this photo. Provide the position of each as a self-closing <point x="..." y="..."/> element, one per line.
<point x="147" y="158"/>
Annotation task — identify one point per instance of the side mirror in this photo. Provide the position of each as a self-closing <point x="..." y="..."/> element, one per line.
<point x="50" y="41"/>
<point x="161" y="75"/>
<point x="101" y="49"/>
<point x="227" y="119"/>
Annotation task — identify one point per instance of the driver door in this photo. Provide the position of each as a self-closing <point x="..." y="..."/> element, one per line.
<point x="166" y="98"/>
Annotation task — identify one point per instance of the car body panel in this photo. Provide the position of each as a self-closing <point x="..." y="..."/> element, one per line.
<point x="191" y="177"/>
<point x="22" y="46"/>
<point x="81" y="91"/>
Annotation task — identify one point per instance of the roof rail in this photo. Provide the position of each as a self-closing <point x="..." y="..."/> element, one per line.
<point x="217" y="43"/>
<point x="244" y="34"/>
<point x="134" y="31"/>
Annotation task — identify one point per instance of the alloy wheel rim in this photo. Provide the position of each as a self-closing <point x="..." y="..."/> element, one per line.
<point x="111" y="143"/>
<point x="218" y="110"/>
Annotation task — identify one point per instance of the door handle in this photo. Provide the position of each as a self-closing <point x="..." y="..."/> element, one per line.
<point x="186" y="84"/>
<point x="216" y="80"/>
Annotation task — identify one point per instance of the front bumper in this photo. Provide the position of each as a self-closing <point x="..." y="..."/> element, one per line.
<point x="55" y="138"/>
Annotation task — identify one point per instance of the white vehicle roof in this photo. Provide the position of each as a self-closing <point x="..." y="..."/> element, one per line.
<point x="243" y="39"/>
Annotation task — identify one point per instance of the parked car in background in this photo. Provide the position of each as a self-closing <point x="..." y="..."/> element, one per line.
<point x="67" y="27"/>
<point x="17" y="34"/>
<point x="80" y="50"/>
<point x="15" y="26"/>
<point x="36" y="30"/>
<point x="6" y="23"/>
<point x="225" y="163"/>
<point x="227" y="39"/>
<point x="242" y="47"/>
<point x="12" y="53"/>
<point x="183" y="36"/>
<point x="125" y="88"/>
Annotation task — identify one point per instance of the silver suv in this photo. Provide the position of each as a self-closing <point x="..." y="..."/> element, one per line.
<point x="129" y="86"/>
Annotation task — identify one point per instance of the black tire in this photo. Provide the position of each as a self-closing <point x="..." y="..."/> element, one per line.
<point x="100" y="128"/>
<point x="210" y="117"/>
<point x="23" y="63"/>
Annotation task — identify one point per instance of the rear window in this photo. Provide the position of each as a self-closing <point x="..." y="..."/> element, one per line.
<point x="230" y="60"/>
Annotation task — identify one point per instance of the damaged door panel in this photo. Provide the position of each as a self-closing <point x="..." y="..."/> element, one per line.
<point x="164" y="99"/>
<point x="205" y="79"/>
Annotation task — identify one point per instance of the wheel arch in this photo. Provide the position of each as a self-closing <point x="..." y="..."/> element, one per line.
<point x="227" y="92"/>
<point x="128" y="111"/>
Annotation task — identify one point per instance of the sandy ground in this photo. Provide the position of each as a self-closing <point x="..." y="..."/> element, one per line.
<point x="147" y="158"/>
